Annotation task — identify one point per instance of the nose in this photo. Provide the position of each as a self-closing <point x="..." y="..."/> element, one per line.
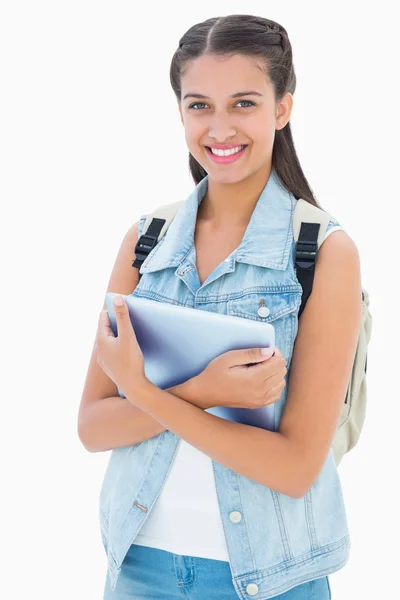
<point x="221" y="129"/>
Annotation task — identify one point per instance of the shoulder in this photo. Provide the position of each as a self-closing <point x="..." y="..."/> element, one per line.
<point x="338" y="250"/>
<point x="124" y="278"/>
<point x="133" y="232"/>
<point x="128" y="243"/>
<point x="333" y="225"/>
<point x="337" y="278"/>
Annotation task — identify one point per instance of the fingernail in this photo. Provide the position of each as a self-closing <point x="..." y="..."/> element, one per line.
<point x="118" y="301"/>
<point x="266" y="351"/>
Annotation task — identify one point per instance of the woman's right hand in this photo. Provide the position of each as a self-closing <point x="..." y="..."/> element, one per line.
<point x="230" y="380"/>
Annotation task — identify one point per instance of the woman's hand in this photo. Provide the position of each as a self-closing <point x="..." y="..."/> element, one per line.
<point x="120" y="357"/>
<point x="230" y="380"/>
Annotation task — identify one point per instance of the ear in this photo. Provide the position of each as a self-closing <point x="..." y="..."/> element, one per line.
<point x="284" y="110"/>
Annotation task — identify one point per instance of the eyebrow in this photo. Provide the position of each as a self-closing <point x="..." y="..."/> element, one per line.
<point x="237" y="95"/>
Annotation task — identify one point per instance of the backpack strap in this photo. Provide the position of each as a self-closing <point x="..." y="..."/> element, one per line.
<point x="309" y="229"/>
<point x="155" y="227"/>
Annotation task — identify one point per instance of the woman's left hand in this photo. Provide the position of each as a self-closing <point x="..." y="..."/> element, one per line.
<point x="120" y="357"/>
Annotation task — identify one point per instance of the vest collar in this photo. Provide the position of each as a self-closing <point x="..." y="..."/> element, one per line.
<point x="267" y="240"/>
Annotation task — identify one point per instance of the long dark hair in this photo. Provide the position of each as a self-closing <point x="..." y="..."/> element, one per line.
<point x="263" y="39"/>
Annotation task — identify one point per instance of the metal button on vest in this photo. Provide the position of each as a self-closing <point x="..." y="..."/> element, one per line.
<point x="235" y="516"/>
<point x="263" y="311"/>
<point x="252" y="589"/>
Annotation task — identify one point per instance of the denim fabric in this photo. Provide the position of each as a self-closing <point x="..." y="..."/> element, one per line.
<point x="279" y="542"/>
<point x="152" y="573"/>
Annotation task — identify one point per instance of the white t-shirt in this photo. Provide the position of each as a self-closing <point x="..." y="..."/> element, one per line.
<point x="185" y="519"/>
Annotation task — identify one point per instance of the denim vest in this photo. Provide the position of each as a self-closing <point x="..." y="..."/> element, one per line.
<point x="278" y="542"/>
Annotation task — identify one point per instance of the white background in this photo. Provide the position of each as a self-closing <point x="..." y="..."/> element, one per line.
<point x="90" y="140"/>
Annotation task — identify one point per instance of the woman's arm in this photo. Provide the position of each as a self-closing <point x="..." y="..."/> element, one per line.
<point x="264" y="456"/>
<point x="289" y="460"/>
<point x="114" y="421"/>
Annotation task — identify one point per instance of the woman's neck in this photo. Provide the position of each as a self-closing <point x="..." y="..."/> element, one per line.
<point x="231" y="205"/>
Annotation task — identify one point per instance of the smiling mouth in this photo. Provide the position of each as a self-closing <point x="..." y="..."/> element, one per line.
<point x="226" y="159"/>
<point x="241" y="146"/>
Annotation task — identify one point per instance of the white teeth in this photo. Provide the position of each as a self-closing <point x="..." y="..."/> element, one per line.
<point x="227" y="152"/>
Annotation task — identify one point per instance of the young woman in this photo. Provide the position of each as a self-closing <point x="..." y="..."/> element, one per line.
<point x="194" y="506"/>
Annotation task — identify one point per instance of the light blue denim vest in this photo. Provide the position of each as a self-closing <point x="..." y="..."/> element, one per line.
<point x="280" y="541"/>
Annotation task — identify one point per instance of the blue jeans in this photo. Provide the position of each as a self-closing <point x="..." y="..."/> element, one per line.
<point x="150" y="573"/>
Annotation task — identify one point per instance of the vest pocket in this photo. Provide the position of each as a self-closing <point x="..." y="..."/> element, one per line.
<point x="265" y="306"/>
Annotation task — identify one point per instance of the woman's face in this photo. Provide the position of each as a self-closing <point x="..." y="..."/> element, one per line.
<point x="220" y="118"/>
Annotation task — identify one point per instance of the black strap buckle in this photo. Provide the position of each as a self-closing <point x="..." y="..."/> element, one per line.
<point x="306" y="253"/>
<point x="145" y="245"/>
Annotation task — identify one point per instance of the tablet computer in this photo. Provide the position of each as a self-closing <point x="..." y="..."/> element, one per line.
<point x="178" y="342"/>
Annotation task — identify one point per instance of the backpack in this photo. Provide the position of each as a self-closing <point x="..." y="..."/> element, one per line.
<point x="309" y="229"/>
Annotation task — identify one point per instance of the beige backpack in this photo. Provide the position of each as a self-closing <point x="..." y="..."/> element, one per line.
<point x="309" y="229"/>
